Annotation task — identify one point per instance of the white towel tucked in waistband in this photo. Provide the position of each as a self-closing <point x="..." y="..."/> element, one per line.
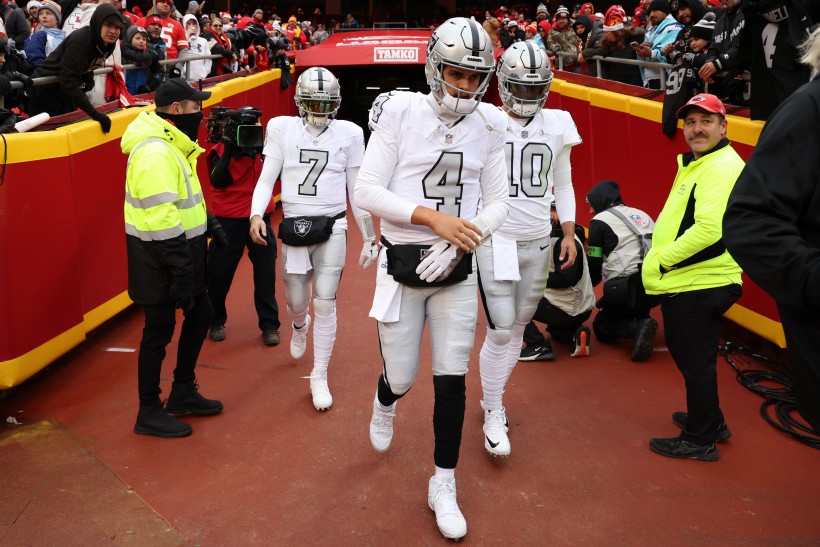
<point x="505" y="259"/>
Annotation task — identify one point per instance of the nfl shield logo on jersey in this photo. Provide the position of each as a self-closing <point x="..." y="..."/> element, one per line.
<point x="638" y="221"/>
<point x="302" y="226"/>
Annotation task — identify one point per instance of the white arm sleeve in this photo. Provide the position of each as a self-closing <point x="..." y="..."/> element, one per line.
<point x="264" y="186"/>
<point x="494" y="192"/>
<point x="563" y="190"/>
<point x="371" y="193"/>
<point x="352" y="174"/>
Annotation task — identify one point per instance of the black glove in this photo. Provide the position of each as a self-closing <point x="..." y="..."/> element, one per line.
<point x="28" y="84"/>
<point x="182" y="294"/>
<point x="216" y="231"/>
<point x="103" y="120"/>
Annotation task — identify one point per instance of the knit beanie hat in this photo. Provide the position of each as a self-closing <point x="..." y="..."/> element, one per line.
<point x="704" y="28"/>
<point x="53" y="7"/>
<point x="33" y="4"/>
<point x="660" y="5"/>
<point x="614" y="19"/>
<point x="562" y="11"/>
<point x="541" y="9"/>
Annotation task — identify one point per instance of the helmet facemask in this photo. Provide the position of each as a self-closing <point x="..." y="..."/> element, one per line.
<point x="318" y="96"/>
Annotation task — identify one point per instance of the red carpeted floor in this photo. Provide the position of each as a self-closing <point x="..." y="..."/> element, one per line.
<point x="271" y="470"/>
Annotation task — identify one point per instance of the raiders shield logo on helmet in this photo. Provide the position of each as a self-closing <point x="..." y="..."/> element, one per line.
<point x="302" y="226"/>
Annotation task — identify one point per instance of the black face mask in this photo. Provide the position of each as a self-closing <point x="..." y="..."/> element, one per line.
<point x="187" y="123"/>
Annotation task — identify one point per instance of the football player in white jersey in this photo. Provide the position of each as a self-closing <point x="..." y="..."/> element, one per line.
<point x="429" y="160"/>
<point x="319" y="158"/>
<point x="513" y="267"/>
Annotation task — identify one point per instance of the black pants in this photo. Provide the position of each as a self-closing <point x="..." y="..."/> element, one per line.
<point x="802" y="327"/>
<point x="560" y="324"/>
<point x="160" y="322"/>
<point x="620" y="317"/>
<point x="222" y="264"/>
<point x="692" y="323"/>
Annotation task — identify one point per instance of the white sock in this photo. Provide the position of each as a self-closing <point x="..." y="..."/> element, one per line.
<point x="514" y="349"/>
<point x="324" y="332"/>
<point x="298" y="318"/>
<point x="492" y="364"/>
<point x="445" y="473"/>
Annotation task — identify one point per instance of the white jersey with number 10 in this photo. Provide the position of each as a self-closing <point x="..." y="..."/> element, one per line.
<point x="531" y="152"/>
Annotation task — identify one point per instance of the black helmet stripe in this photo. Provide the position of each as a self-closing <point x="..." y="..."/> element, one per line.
<point x="532" y="56"/>
<point x="474" y="35"/>
<point x="321" y="79"/>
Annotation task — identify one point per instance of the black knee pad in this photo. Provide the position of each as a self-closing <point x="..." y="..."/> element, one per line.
<point x="385" y="394"/>
<point x="448" y="418"/>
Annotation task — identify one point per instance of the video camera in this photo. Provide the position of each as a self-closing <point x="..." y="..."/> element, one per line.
<point x="237" y="127"/>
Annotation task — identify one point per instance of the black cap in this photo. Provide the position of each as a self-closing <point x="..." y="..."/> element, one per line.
<point x="660" y="5"/>
<point x="176" y="90"/>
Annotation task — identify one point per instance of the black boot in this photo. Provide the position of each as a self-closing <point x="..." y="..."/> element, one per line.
<point x="185" y="399"/>
<point x="154" y="420"/>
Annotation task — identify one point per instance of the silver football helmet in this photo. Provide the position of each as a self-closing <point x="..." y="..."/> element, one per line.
<point x="524" y="77"/>
<point x="462" y="43"/>
<point x="318" y="96"/>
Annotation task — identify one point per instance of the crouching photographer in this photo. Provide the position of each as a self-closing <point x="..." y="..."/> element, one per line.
<point x="234" y="165"/>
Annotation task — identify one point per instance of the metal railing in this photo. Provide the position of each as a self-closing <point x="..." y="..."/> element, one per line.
<point x="561" y="55"/>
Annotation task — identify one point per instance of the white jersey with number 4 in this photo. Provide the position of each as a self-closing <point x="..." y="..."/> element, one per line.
<point x="435" y="166"/>
<point x="531" y="151"/>
<point x="314" y="179"/>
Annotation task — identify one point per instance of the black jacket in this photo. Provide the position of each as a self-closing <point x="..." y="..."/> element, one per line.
<point x="772" y="229"/>
<point x="724" y="49"/>
<point x="17" y="27"/>
<point x="77" y="57"/>
<point x="771" y="226"/>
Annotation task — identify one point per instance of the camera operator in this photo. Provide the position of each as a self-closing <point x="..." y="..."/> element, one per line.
<point x="234" y="169"/>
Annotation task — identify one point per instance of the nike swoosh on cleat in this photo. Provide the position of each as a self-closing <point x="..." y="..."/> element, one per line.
<point x="544" y="247"/>
<point x="492" y="444"/>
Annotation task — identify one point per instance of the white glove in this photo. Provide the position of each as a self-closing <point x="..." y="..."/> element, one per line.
<point x="370" y="253"/>
<point x="440" y="261"/>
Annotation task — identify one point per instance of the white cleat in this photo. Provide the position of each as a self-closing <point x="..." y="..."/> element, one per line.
<point x="495" y="433"/>
<point x="506" y="420"/>
<point x="298" y="341"/>
<point x="322" y="399"/>
<point x="381" y="426"/>
<point x="441" y="497"/>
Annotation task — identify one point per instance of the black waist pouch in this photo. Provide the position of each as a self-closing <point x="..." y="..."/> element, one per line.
<point x="402" y="261"/>
<point x="305" y="231"/>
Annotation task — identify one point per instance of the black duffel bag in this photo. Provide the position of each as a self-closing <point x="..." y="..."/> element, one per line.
<point x="402" y="261"/>
<point x="304" y="231"/>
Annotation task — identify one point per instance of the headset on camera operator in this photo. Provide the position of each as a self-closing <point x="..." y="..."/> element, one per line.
<point x="234" y="164"/>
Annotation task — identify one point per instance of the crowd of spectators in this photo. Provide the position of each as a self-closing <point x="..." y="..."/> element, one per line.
<point x="726" y="47"/>
<point x="31" y="38"/>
